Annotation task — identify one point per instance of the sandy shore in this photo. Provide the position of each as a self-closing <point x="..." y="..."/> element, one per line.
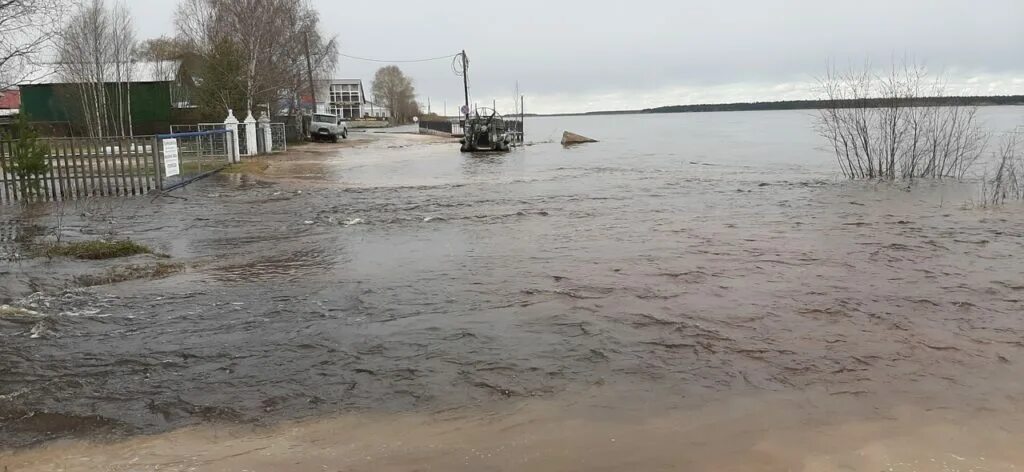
<point x="810" y="432"/>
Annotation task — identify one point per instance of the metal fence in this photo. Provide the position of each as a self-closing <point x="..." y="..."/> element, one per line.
<point x="187" y="157"/>
<point x="457" y="128"/>
<point x="278" y="133"/>
<point x="199" y="127"/>
<point x="443" y="127"/>
<point x="279" y="137"/>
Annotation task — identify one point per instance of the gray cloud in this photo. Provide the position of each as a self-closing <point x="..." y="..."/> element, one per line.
<point x="576" y="55"/>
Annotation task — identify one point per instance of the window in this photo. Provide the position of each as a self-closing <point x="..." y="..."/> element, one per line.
<point x="345" y="93"/>
<point x="350" y="93"/>
<point x="350" y="111"/>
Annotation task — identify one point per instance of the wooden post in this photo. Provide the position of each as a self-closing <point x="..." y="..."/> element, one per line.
<point x="58" y="174"/>
<point x="101" y="162"/>
<point x="8" y="198"/>
<point x="3" y="174"/>
<point x="522" y="119"/>
<point x="65" y="183"/>
<point x="138" y="179"/>
<point x="158" y="178"/>
<point x="126" y="187"/>
<point x="83" y="178"/>
<point x="94" y="180"/>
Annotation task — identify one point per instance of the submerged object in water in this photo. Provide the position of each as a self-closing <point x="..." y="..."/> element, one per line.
<point x="573" y="138"/>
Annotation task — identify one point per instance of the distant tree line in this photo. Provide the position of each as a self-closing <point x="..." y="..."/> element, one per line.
<point x="970" y="100"/>
<point x="844" y="103"/>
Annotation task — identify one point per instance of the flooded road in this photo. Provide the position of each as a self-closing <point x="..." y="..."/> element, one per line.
<point x="719" y="262"/>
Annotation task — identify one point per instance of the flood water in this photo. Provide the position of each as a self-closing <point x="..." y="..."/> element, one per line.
<point x="680" y="259"/>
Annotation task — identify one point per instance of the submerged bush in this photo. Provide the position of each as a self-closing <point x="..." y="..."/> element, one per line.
<point x="896" y="125"/>
<point x="95" y="250"/>
<point x="131" y="272"/>
<point x="1007" y="182"/>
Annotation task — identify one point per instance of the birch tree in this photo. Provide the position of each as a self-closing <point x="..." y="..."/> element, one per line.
<point x="96" y="55"/>
<point x="253" y="49"/>
<point x="26" y="28"/>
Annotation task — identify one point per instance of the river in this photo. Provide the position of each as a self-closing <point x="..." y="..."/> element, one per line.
<point x="709" y="269"/>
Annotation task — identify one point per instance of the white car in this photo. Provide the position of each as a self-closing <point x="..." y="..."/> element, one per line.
<point x="326" y="126"/>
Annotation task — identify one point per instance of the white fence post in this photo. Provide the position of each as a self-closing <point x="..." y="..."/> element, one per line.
<point x="250" y="135"/>
<point x="268" y="136"/>
<point x="231" y="123"/>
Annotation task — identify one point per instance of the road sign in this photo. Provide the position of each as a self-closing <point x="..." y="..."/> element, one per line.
<point x="465" y="110"/>
<point x="171" y="167"/>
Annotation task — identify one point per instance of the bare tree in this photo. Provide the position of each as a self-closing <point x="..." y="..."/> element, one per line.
<point x="1007" y="183"/>
<point x="96" y="53"/>
<point x="26" y="27"/>
<point x="253" y="49"/>
<point x="883" y="125"/>
<point x="393" y="90"/>
<point x="123" y="51"/>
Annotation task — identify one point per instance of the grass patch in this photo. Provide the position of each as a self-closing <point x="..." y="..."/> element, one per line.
<point x="130" y="272"/>
<point x="13" y="311"/>
<point x="96" y="250"/>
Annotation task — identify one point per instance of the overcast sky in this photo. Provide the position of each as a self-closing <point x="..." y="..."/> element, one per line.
<point x="597" y="55"/>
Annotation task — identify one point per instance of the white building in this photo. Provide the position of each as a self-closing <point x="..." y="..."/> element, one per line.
<point x="347" y="98"/>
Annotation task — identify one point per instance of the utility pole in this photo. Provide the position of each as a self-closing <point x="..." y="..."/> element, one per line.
<point x="428" y="105"/>
<point x="522" y="118"/>
<point x="465" y="81"/>
<point x="309" y="73"/>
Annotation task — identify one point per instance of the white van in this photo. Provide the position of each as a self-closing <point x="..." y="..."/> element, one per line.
<point x="325" y="126"/>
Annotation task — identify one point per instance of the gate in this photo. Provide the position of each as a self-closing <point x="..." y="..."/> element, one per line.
<point x="198" y="154"/>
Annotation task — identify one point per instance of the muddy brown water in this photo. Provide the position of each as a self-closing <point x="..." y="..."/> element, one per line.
<point x="718" y="258"/>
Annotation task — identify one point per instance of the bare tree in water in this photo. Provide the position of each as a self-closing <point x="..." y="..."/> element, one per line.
<point x="882" y="126"/>
<point x="1007" y="182"/>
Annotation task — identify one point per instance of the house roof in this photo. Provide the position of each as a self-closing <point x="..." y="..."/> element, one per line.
<point x="10" y="99"/>
<point x="144" y="71"/>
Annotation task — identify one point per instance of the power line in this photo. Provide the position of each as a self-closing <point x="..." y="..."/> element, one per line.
<point x="399" y="61"/>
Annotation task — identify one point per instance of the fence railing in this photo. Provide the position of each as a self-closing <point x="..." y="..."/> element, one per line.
<point x="80" y="168"/>
<point x="278" y="132"/>
<point x="279" y="137"/>
<point x="77" y="168"/>
<point x="457" y="128"/>
<point x="198" y="127"/>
